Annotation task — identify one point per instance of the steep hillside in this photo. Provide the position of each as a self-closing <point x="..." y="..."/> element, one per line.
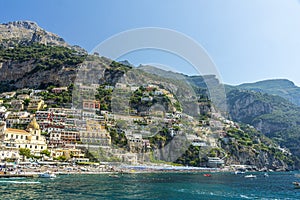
<point x="32" y="57"/>
<point x="274" y="116"/>
<point x="37" y="66"/>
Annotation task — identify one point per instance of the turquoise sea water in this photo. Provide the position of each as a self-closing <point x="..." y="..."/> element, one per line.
<point x="153" y="186"/>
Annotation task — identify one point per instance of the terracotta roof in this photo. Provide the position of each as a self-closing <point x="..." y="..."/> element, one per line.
<point x="12" y="130"/>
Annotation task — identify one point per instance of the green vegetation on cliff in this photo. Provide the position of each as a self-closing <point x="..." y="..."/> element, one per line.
<point x="45" y="57"/>
<point x="274" y="116"/>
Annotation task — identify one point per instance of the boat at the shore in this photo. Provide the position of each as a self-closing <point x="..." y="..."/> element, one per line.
<point x="47" y="175"/>
<point x="239" y="172"/>
<point x="207" y="175"/>
<point x="250" y="176"/>
<point x="296" y="185"/>
<point x="114" y="176"/>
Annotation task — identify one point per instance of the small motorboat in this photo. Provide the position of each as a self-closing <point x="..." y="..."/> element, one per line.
<point x="250" y="176"/>
<point x="114" y="175"/>
<point x="207" y="175"/>
<point x="47" y="175"/>
<point x="266" y="175"/>
<point x="239" y="172"/>
<point x="296" y="185"/>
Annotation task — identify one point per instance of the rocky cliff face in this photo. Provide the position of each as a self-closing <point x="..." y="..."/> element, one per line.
<point x="25" y="32"/>
<point x="274" y="116"/>
<point x="28" y="32"/>
<point x="244" y="107"/>
<point x="32" y="57"/>
<point x="259" y="159"/>
<point x="21" y="75"/>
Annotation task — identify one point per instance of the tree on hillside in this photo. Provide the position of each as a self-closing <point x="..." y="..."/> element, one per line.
<point x="24" y="152"/>
<point x="46" y="152"/>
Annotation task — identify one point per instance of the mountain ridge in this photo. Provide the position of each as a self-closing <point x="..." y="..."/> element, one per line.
<point x="281" y="87"/>
<point x="28" y="32"/>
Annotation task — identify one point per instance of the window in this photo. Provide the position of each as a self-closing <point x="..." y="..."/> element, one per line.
<point x="35" y="147"/>
<point x="17" y="136"/>
<point x="21" y="137"/>
<point x="42" y="147"/>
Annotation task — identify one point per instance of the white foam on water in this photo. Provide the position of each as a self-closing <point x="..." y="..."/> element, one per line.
<point x="20" y="182"/>
<point x="244" y="196"/>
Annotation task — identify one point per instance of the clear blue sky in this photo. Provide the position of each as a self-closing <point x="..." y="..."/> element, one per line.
<point x="248" y="40"/>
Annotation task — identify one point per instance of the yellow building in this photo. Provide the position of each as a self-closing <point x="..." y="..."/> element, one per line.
<point x="68" y="153"/>
<point x="95" y="134"/>
<point x="30" y="138"/>
<point x="36" y="104"/>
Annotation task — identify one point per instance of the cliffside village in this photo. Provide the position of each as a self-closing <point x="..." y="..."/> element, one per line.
<point x="66" y="133"/>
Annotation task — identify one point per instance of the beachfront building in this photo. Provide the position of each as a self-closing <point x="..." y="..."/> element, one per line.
<point x="9" y="154"/>
<point x="215" y="162"/>
<point x="67" y="153"/>
<point x="30" y="138"/>
<point x="95" y="134"/>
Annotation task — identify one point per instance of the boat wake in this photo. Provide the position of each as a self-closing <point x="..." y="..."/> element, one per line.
<point x="19" y="182"/>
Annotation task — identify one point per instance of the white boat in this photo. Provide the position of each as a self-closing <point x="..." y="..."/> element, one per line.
<point x="297" y="185"/>
<point x="250" y="176"/>
<point x="239" y="172"/>
<point x="266" y="175"/>
<point x="114" y="176"/>
<point x="47" y="175"/>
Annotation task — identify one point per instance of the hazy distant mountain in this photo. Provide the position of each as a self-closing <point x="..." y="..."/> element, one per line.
<point x="281" y="87"/>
